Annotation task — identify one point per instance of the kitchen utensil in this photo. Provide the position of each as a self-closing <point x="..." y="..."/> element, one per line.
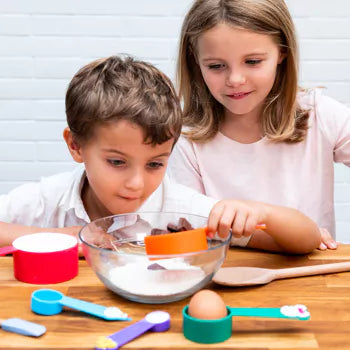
<point x="115" y="249"/>
<point x="180" y="242"/>
<point x="215" y="331"/>
<point x="50" y="302"/>
<point x="16" y="325"/>
<point x="44" y="258"/>
<point x="177" y="242"/>
<point x="249" y="276"/>
<point x="156" y="321"/>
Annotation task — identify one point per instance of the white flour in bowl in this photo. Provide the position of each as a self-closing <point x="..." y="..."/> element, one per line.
<point x="136" y="278"/>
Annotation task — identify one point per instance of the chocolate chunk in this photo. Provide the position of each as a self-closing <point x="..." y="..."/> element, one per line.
<point x="185" y="224"/>
<point x="172" y="228"/>
<point x="155" y="266"/>
<point x="158" y="231"/>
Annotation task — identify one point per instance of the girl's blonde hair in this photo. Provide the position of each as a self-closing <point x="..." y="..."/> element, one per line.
<point x="283" y="120"/>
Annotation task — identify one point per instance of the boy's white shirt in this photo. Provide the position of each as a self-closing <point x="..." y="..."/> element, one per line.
<point x="55" y="201"/>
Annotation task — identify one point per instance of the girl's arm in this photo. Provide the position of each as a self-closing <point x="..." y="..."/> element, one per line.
<point x="9" y="232"/>
<point x="287" y="230"/>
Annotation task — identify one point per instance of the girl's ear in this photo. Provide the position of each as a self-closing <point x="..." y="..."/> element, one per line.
<point x="282" y="56"/>
<point x="73" y="147"/>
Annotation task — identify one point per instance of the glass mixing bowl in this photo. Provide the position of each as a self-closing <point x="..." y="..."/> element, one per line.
<point x="114" y="248"/>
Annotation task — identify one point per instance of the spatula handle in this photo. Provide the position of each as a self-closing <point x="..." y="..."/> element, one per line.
<point x="312" y="270"/>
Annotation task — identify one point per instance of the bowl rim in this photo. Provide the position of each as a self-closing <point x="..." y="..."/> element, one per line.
<point x="224" y="242"/>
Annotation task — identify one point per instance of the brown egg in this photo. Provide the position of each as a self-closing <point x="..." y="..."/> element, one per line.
<point x="207" y="305"/>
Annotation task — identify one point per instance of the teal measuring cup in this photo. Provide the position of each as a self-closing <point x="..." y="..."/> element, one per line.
<point x="216" y="331"/>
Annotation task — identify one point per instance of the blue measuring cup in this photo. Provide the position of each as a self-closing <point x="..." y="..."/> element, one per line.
<point x="50" y="302"/>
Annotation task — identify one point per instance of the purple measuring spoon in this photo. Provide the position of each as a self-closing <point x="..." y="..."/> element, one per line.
<point x="156" y="321"/>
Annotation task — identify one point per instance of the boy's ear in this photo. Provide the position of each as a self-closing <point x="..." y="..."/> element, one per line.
<point x="73" y="147"/>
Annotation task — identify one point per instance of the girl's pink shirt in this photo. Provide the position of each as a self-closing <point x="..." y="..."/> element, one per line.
<point x="297" y="175"/>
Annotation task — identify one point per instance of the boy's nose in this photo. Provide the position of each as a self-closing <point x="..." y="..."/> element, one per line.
<point x="135" y="180"/>
<point x="235" y="78"/>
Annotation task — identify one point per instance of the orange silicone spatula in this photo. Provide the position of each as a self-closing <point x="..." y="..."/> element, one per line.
<point x="177" y="242"/>
<point x="180" y="242"/>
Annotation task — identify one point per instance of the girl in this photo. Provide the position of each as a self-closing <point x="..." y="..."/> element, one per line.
<point x="250" y="133"/>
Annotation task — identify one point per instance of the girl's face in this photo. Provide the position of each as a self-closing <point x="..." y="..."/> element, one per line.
<point x="239" y="68"/>
<point x="122" y="170"/>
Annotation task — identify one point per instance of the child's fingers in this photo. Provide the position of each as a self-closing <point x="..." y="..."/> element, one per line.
<point x="218" y="224"/>
<point x="327" y="241"/>
<point x="322" y="246"/>
<point x="239" y="223"/>
<point x="213" y="220"/>
<point x="228" y="216"/>
<point x="331" y="244"/>
<point x="250" y="225"/>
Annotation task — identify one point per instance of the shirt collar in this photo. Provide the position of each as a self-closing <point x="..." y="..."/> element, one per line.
<point x="71" y="200"/>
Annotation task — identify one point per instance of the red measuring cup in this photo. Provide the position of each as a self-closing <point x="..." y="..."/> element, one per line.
<point x="44" y="258"/>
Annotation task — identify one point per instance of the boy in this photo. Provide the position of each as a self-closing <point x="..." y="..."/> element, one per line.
<point x="123" y="120"/>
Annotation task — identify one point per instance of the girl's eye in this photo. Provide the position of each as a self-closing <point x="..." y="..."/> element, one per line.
<point x="155" y="165"/>
<point x="253" y="62"/>
<point x="216" y="66"/>
<point x="116" y="162"/>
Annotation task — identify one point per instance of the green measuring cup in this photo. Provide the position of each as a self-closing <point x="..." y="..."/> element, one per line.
<point x="216" y="331"/>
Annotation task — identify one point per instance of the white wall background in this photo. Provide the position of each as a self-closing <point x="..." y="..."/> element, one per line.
<point x="43" y="43"/>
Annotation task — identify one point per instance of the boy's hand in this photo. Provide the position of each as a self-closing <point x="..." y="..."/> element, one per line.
<point x="70" y="230"/>
<point x="327" y="241"/>
<point x="74" y="231"/>
<point x="239" y="216"/>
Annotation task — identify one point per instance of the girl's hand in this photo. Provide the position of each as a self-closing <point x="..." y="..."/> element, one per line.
<point x="239" y="216"/>
<point x="327" y="241"/>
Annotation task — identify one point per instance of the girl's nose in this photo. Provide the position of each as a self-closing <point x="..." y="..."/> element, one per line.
<point x="235" y="78"/>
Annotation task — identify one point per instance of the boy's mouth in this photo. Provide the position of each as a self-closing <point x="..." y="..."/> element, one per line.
<point x="129" y="198"/>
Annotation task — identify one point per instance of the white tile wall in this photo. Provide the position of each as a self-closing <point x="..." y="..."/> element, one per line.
<point x="43" y="43"/>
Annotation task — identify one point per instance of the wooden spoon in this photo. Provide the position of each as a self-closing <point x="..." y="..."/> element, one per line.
<point x="249" y="276"/>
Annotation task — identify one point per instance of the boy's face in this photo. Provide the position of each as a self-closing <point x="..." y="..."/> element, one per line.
<point x="122" y="170"/>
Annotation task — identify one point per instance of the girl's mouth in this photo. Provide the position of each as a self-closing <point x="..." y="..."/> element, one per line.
<point x="239" y="95"/>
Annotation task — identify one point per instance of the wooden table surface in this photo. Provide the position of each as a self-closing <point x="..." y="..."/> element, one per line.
<point x="327" y="298"/>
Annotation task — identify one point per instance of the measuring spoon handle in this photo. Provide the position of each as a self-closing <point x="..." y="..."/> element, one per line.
<point x="292" y="312"/>
<point x="131" y="332"/>
<point x="89" y="308"/>
<point x="156" y="321"/>
<point x="84" y="306"/>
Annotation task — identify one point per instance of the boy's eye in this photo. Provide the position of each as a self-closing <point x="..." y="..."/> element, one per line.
<point x="155" y="165"/>
<point x="253" y="62"/>
<point x="216" y="66"/>
<point x="116" y="162"/>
